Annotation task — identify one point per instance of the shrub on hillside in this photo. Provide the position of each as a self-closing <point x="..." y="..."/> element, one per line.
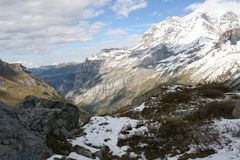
<point x="213" y="90"/>
<point x="219" y="109"/>
<point x="217" y="86"/>
<point x="177" y="97"/>
<point x="212" y="93"/>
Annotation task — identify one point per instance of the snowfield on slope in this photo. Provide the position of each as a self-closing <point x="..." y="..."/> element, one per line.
<point x="102" y="131"/>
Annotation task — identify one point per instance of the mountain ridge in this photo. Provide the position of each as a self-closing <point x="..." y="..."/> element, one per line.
<point x="17" y="82"/>
<point x="189" y="50"/>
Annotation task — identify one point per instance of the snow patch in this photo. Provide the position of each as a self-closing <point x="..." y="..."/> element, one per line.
<point x="105" y="131"/>
<point x="140" y="108"/>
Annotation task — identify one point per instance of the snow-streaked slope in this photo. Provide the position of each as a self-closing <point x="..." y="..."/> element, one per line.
<point x="231" y="150"/>
<point x="183" y="49"/>
<point x="229" y="144"/>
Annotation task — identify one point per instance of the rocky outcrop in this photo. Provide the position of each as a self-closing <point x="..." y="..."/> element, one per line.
<point x="232" y="35"/>
<point x="18" y="142"/>
<point x="47" y="116"/>
<point x="24" y="130"/>
<point x="156" y="54"/>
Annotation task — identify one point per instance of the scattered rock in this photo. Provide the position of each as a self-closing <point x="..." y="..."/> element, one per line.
<point x="83" y="151"/>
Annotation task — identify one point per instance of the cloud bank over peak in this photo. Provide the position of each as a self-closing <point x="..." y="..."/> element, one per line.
<point x="216" y="7"/>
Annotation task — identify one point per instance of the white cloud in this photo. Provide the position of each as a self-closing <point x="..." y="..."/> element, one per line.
<point x="37" y="26"/>
<point x="116" y="32"/>
<point x="124" y="7"/>
<point x="75" y="54"/>
<point x="216" y="7"/>
<point x="26" y="64"/>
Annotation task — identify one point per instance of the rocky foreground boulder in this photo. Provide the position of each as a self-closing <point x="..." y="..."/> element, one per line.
<point x="25" y="130"/>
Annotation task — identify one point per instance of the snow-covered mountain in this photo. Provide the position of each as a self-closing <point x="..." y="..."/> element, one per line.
<point x="198" y="47"/>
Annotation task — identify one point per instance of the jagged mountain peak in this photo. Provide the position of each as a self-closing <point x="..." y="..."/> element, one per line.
<point x="230" y="15"/>
<point x="185" y="30"/>
<point x="200" y="27"/>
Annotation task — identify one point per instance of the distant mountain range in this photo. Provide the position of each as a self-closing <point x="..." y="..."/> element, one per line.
<point x="196" y="48"/>
<point x="16" y="82"/>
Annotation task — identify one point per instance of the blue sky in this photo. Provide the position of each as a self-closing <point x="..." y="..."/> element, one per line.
<point x="54" y="31"/>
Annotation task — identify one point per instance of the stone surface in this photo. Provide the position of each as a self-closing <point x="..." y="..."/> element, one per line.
<point x="83" y="151"/>
<point x="47" y="116"/>
<point x="24" y="130"/>
<point x="18" y="142"/>
<point x="232" y="35"/>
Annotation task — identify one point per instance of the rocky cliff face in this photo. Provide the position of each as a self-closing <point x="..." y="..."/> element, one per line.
<point x="16" y="82"/>
<point x="233" y="36"/>
<point x="25" y="130"/>
<point x="87" y="75"/>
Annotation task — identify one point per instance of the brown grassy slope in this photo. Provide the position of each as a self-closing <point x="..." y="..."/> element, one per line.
<point x="16" y="83"/>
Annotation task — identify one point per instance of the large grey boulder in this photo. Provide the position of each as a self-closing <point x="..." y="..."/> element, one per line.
<point x="236" y="111"/>
<point x="24" y="130"/>
<point x="18" y="142"/>
<point x="46" y="116"/>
